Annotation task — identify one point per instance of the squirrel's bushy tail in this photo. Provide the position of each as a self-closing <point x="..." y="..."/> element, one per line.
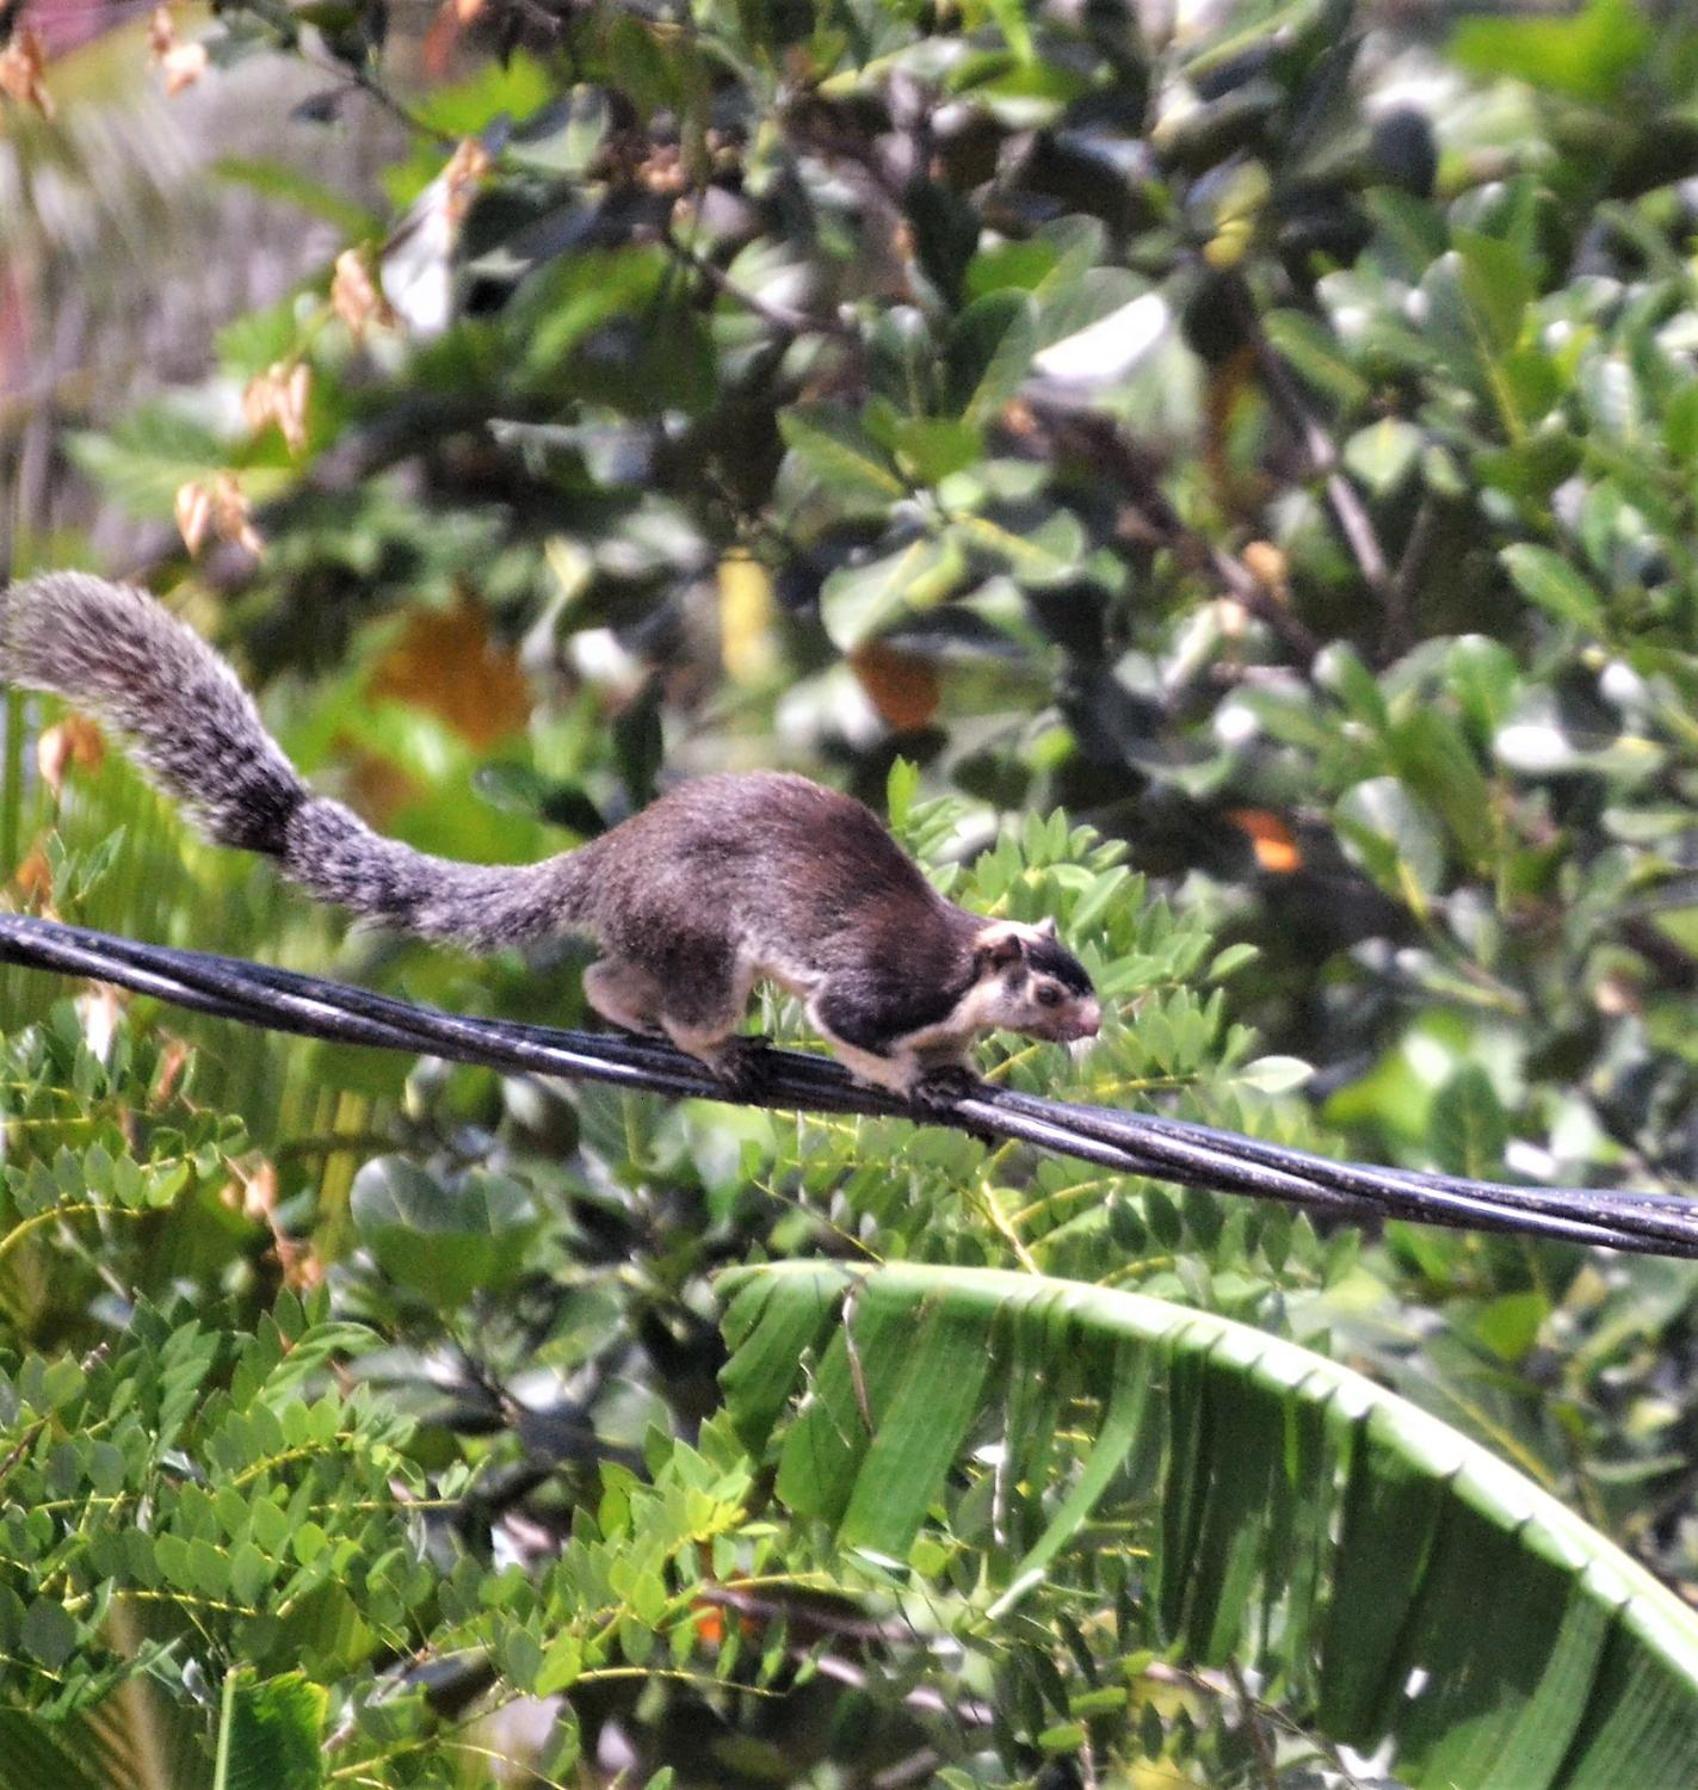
<point x="113" y="650"/>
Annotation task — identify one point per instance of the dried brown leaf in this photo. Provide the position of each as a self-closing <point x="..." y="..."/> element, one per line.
<point x="193" y="510"/>
<point x="903" y="688"/>
<point x="466" y="170"/>
<point x="219" y="508"/>
<point x="23" y="66"/>
<point x="73" y="741"/>
<point x="354" y="295"/>
<point x="279" y="395"/>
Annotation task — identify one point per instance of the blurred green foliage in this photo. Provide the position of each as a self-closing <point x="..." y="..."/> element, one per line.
<point x="1270" y="440"/>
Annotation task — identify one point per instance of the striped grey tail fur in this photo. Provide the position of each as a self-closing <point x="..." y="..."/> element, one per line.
<point x="113" y="651"/>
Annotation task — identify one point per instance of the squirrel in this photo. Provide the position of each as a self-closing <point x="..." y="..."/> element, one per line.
<point x="722" y="882"/>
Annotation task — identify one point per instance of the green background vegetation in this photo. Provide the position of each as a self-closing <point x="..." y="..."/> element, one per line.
<point x="1230" y="486"/>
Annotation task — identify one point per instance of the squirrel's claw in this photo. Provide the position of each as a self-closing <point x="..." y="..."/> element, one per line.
<point x="938" y="1092"/>
<point x="744" y="1065"/>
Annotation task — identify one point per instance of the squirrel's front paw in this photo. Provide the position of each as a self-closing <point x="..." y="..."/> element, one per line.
<point x="938" y="1092"/>
<point x="744" y="1065"/>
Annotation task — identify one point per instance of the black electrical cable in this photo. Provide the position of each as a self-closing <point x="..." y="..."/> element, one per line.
<point x="1130" y="1143"/>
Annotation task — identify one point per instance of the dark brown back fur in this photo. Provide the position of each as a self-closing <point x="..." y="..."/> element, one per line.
<point x="793" y="874"/>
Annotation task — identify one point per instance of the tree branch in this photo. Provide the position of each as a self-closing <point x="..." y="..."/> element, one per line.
<point x="1105" y="444"/>
<point x="1348" y="510"/>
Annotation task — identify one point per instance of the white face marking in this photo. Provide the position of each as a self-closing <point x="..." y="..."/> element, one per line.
<point x="1019" y="995"/>
<point x="1003" y="998"/>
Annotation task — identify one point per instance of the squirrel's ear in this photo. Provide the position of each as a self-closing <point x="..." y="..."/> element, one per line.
<point x="1046" y="926"/>
<point x="999" y="946"/>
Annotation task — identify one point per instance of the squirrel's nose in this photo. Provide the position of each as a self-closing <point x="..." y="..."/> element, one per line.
<point x="1087" y="1018"/>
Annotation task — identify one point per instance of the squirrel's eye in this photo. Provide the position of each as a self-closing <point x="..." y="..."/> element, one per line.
<point x="1048" y="995"/>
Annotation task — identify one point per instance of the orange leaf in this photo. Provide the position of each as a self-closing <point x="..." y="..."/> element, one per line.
<point x="1267" y="564"/>
<point x="903" y="688"/>
<point x="173" y="1060"/>
<point x="73" y="741"/>
<point x="1272" y="841"/>
<point x="445" y="663"/>
<point x="33" y="879"/>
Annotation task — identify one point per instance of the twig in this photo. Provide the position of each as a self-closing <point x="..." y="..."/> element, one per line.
<point x="1400" y="595"/>
<point x="1267" y="1770"/>
<point x="1101" y="440"/>
<point x="785" y="318"/>
<point x="1128" y="1143"/>
<point x="374" y="90"/>
<point x="1348" y="510"/>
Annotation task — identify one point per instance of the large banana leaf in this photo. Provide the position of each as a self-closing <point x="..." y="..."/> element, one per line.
<point x="269" y="1738"/>
<point x="1386" y="1578"/>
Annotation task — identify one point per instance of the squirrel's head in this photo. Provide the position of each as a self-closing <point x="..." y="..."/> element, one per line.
<point x="1025" y="980"/>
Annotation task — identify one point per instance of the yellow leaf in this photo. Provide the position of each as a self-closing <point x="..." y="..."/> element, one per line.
<point x="745" y="619"/>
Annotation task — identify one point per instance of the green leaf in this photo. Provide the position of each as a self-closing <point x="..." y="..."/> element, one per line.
<point x="1509" y="1325"/>
<point x="445" y="1242"/>
<point x="516" y="86"/>
<point x="1679" y="924"/>
<point x="1275" y="1075"/>
<point x="1315" y="354"/>
<point x="931" y="448"/>
<point x="1383" y="455"/>
<point x="1476" y="300"/>
<point x="1532" y="468"/>
<point x="250" y="1573"/>
<point x="1046" y="551"/>
<point x="1483" y="677"/>
<point x="270" y="1734"/>
<point x="48" y="1632"/>
<point x="1468" y="1127"/>
<point x="35" y="1755"/>
<point x="146" y="459"/>
<point x="989" y="350"/>
<point x="1292" y="1512"/>
<point x="1680" y="425"/>
<point x="277" y="180"/>
<point x="858" y="603"/>
<point x="1588" y="56"/>
<point x="1393" y="837"/>
<point x="1230" y="960"/>
<point x="560" y="305"/>
<point x="1434" y="761"/>
<point x="1547" y="579"/>
<point x="1122" y="1420"/>
<point x="839" y="452"/>
<point x="916" y="1434"/>
<point x="1010" y="16"/>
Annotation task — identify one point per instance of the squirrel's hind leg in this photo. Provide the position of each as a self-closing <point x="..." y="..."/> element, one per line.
<point x="624" y="995"/>
<point x="695" y="997"/>
<point x="701" y="1012"/>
